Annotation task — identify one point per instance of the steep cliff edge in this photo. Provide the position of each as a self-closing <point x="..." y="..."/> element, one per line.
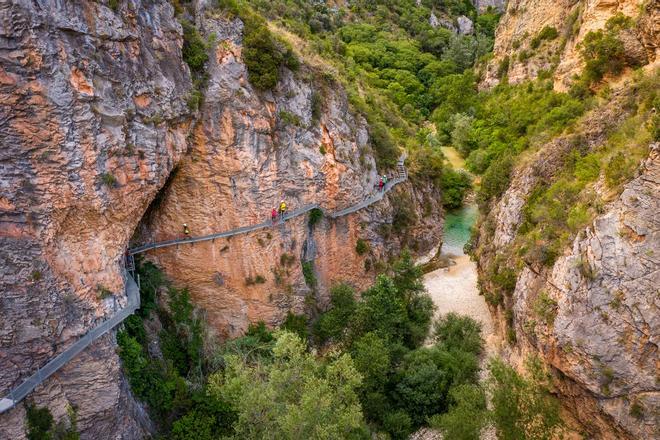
<point x="249" y="151"/>
<point x="96" y="115"/>
<point x="536" y="36"/>
<point x="584" y="299"/>
<point x="91" y="108"/>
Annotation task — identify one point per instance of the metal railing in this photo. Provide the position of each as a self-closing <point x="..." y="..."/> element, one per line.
<point x="133" y="291"/>
<point x="402" y="176"/>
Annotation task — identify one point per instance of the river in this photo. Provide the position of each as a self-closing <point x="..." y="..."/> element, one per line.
<point x="454" y="289"/>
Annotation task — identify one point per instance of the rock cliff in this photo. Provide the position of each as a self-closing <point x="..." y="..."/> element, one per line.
<point x="522" y="54"/>
<point x="96" y="125"/>
<point x="250" y="150"/>
<point x="592" y="315"/>
<point x="92" y="104"/>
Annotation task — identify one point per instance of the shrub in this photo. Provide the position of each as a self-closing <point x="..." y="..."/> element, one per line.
<point x="288" y="118"/>
<point x="315" y="216"/>
<point x="264" y="53"/>
<point x="332" y="323"/>
<point x="455" y="185"/>
<point x="287" y="260"/>
<point x="619" y="169"/>
<point x="296" y="324"/>
<point x="503" y="67"/>
<point x="603" y="51"/>
<point x="466" y="416"/>
<point x="361" y="247"/>
<point x="545" y="308"/>
<point x="109" y="180"/>
<point x="523" y="409"/>
<point x="308" y="273"/>
<point x="103" y="292"/>
<point x="39" y="423"/>
<point x="194" y="48"/>
<point x="456" y="332"/>
<point x="547" y="33"/>
<point x="316" y="106"/>
<point x="495" y="181"/>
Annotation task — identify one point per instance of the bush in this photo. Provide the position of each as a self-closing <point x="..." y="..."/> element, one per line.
<point x="495" y="181"/>
<point x="296" y="324"/>
<point x="545" y="308"/>
<point x="503" y="67"/>
<point x="456" y="332"/>
<point x="308" y="273"/>
<point x="523" y="409"/>
<point x="315" y="216"/>
<point x="331" y="324"/>
<point x="194" y="48"/>
<point x="264" y="54"/>
<point x="603" y="51"/>
<point x="109" y="180"/>
<point x="39" y="423"/>
<point x="361" y="247"/>
<point x="288" y="118"/>
<point x="466" y="416"/>
<point x="547" y="33"/>
<point x="455" y="185"/>
<point x="316" y="105"/>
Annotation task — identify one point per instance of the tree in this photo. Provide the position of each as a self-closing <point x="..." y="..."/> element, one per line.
<point x="295" y="396"/>
<point x="466" y="416"/>
<point x="456" y="332"/>
<point x="523" y="409"/>
<point x="455" y="184"/>
<point x="461" y="134"/>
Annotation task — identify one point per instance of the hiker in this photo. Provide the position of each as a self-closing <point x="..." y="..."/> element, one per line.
<point x="385" y="179"/>
<point x="381" y="184"/>
<point x="273" y="215"/>
<point x="282" y="209"/>
<point x="186" y="231"/>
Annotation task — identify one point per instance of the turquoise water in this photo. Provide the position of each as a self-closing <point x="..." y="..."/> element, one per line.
<point x="458" y="224"/>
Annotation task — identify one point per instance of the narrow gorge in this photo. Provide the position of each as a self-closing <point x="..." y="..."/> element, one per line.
<point x="497" y="277"/>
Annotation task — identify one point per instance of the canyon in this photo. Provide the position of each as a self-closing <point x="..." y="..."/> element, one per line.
<point x="107" y="146"/>
<point x="102" y="146"/>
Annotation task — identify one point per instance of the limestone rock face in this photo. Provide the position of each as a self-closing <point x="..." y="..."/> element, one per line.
<point x="250" y="150"/>
<point x="602" y="342"/>
<point x="573" y="20"/>
<point x="95" y="126"/>
<point x="90" y="105"/>
<point x="465" y="25"/>
<point x="483" y="5"/>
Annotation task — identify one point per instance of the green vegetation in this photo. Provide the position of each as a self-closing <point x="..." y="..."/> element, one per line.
<point x="362" y="372"/>
<point x="547" y="33"/>
<point x="455" y="185"/>
<point x="264" y="53"/>
<point x="308" y="273"/>
<point x="288" y="118"/>
<point x="545" y="308"/>
<point x="194" y="48"/>
<point x="361" y="247"/>
<point x="292" y="396"/>
<point x="603" y="51"/>
<point x="41" y="425"/>
<point x="109" y="180"/>
<point x="523" y="409"/>
<point x="103" y="292"/>
<point x="315" y="216"/>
